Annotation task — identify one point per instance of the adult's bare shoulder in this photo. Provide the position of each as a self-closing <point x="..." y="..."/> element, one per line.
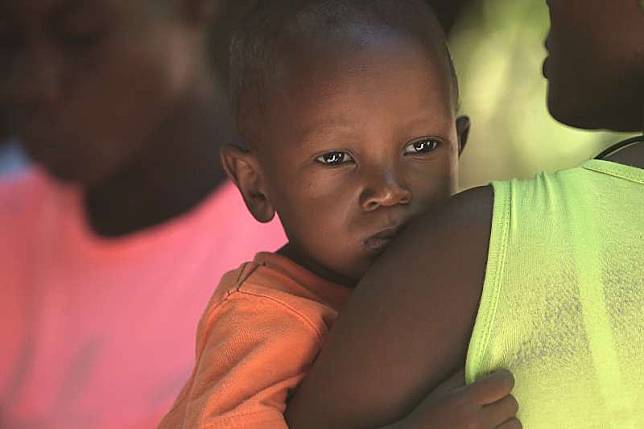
<point x="407" y="325"/>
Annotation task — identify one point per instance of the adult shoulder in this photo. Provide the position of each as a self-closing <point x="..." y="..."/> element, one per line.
<point x="407" y="325"/>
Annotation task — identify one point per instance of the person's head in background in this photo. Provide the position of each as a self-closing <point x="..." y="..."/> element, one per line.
<point x="595" y="67"/>
<point x="90" y="82"/>
<point x="120" y="96"/>
<point x="347" y="112"/>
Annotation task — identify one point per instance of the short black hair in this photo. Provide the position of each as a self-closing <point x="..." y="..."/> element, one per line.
<point x="254" y="49"/>
<point x="228" y="18"/>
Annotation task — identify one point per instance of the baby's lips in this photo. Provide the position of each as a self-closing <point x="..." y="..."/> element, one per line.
<point x="379" y="241"/>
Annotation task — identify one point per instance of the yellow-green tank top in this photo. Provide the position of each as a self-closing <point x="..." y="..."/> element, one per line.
<point x="563" y="300"/>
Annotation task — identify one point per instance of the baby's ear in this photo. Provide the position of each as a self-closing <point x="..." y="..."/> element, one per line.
<point x="244" y="170"/>
<point x="463" y="125"/>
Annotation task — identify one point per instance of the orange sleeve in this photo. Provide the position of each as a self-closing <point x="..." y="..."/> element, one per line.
<point x="251" y="351"/>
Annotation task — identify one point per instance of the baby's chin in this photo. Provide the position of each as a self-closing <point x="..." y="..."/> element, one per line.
<point x="376" y="245"/>
<point x="358" y="270"/>
<point x="354" y="264"/>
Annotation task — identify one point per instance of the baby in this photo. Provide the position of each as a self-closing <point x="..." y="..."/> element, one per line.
<point x="347" y="113"/>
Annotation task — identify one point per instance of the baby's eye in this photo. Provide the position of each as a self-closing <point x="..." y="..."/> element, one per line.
<point x="421" y="146"/>
<point x="334" y="158"/>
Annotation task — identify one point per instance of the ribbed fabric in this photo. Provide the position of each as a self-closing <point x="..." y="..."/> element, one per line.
<point x="563" y="300"/>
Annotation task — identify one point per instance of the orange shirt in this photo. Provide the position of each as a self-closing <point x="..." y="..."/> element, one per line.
<point x="258" y="337"/>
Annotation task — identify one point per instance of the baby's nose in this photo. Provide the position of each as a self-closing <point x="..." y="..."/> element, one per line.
<point x="386" y="192"/>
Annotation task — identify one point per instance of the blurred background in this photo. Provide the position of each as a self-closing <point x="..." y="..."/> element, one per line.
<point x="498" y="49"/>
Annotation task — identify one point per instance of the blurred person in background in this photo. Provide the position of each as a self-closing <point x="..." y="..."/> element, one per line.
<point x="497" y="46"/>
<point x="112" y="244"/>
<point x="12" y="157"/>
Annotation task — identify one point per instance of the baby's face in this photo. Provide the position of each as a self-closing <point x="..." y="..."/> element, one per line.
<point x="357" y="144"/>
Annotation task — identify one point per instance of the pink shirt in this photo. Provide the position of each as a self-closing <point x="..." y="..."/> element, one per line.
<point x="99" y="333"/>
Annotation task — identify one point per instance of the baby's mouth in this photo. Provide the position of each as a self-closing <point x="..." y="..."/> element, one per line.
<point x="378" y="242"/>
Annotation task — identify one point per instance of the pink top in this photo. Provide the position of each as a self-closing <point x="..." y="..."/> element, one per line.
<point x="99" y="333"/>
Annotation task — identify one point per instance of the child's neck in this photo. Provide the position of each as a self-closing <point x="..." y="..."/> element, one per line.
<point x="290" y="251"/>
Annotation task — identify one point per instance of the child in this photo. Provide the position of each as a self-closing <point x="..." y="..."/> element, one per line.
<point x="347" y="114"/>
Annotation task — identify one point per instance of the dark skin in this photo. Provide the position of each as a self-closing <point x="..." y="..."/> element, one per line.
<point x="362" y="155"/>
<point x="381" y="357"/>
<point x="120" y="98"/>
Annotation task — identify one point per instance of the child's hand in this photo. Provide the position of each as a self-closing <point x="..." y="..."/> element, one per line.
<point x="486" y="404"/>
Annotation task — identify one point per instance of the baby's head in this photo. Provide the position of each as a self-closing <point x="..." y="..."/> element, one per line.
<point x="347" y="114"/>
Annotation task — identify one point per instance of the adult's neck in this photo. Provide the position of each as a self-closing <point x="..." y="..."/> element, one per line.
<point x="179" y="168"/>
<point x="632" y="154"/>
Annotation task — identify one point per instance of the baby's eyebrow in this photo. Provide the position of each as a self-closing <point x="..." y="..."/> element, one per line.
<point x="329" y="128"/>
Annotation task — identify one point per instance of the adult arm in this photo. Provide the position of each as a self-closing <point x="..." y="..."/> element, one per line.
<point x="407" y="325"/>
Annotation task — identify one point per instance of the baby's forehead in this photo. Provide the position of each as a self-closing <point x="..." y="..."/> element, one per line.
<point x="343" y="42"/>
<point x="332" y="88"/>
<point x="331" y="58"/>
